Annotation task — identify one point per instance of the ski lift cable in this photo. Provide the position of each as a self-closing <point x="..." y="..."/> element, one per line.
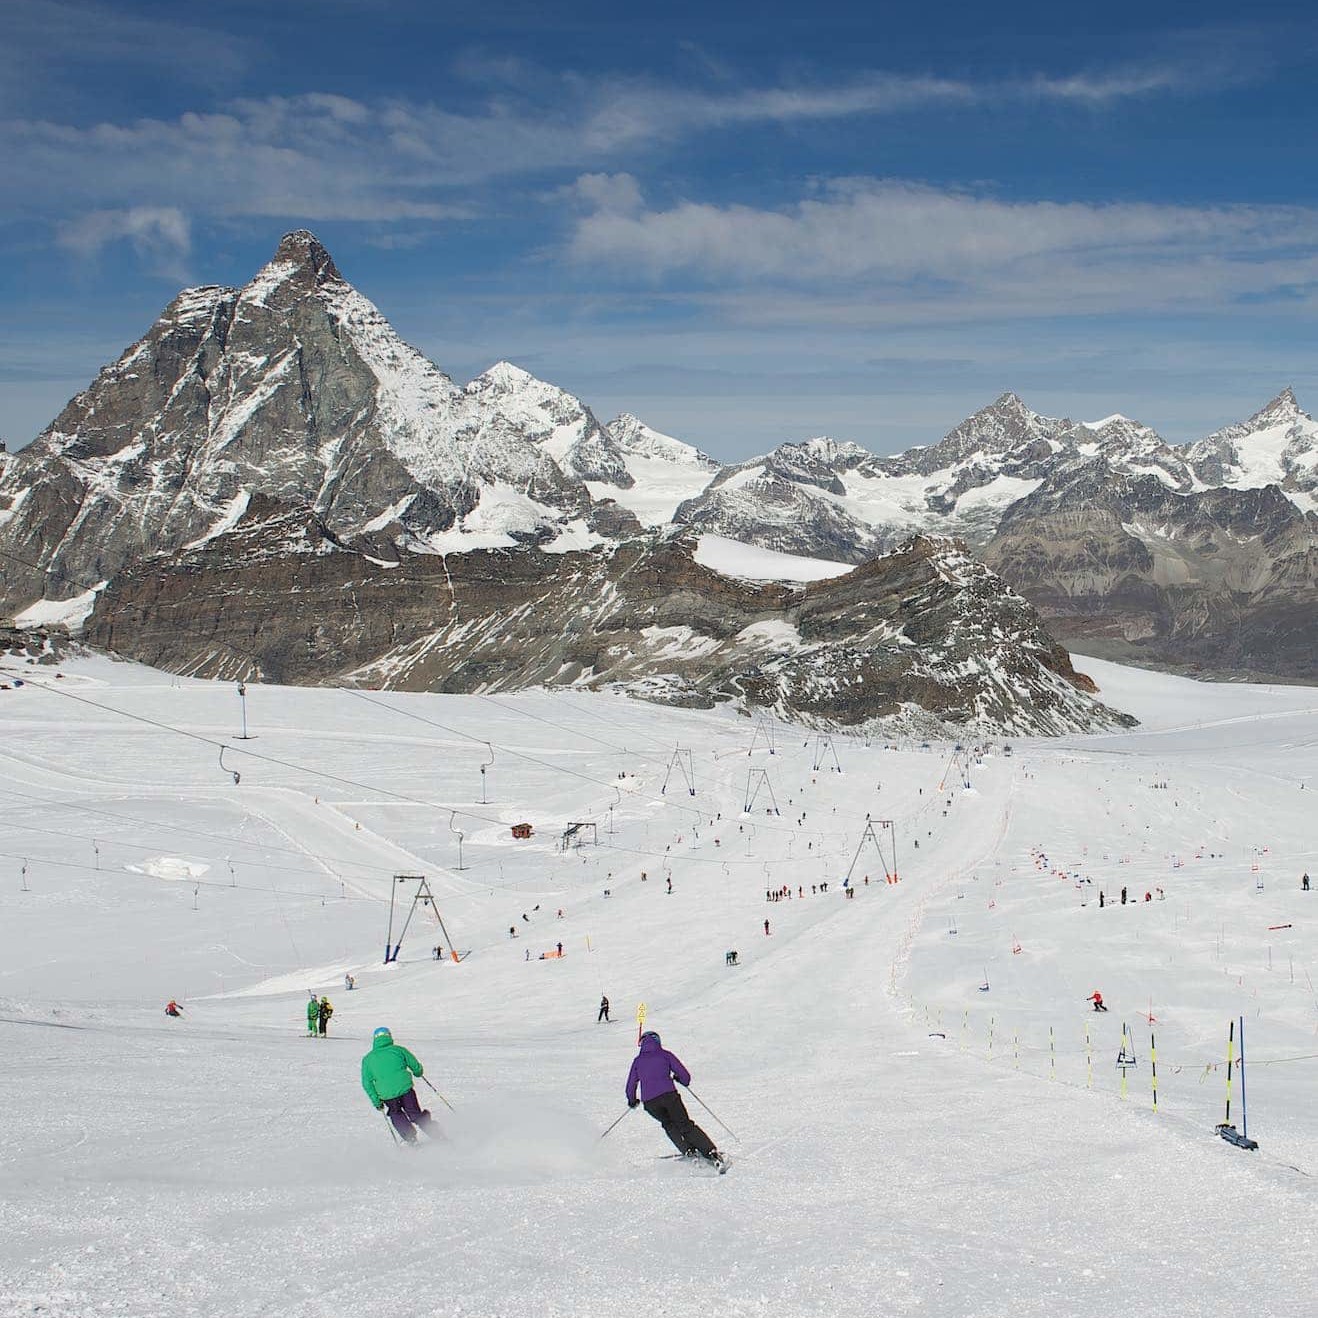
<point x="384" y="791"/>
<point x="251" y="659"/>
<point x="335" y="862"/>
<point x="31" y="860"/>
<point x="268" y="759"/>
<point x="329" y="777"/>
<point x="531" y="759"/>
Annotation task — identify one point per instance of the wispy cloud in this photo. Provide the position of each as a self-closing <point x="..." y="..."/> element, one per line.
<point x="161" y="235"/>
<point x="321" y="156"/>
<point x="872" y="248"/>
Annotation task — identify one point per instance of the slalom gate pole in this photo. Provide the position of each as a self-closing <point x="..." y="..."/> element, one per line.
<point x="713" y="1114"/>
<point x="1123" y="1069"/>
<point x="1089" y="1060"/>
<point x="1244" y="1116"/>
<point x="1153" y="1056"/>
<point x="442" y="1099"/>
<point x="1230" y="1058"/>
<point x="625" y="1111"/>
<point x="1052" y="1055"/>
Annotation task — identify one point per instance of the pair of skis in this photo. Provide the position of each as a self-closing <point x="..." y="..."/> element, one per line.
<point x="720" y="1164"/>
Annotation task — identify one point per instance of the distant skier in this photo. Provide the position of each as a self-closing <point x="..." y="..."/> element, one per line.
<point x="323" y="1012"/>
<point x="766" y="928"/>
<point x="173" y="1009"/>
<point x="651" y="1077"/>
<point x="1123" y="896"/>
<point x="349" y="983"/>
<point x="1097" y="999"/>
<point x="604" y="1011"/>
<point x="1304" y="882"/>
<point x="313" y="1016"/>
<point x="387" y="1072"/>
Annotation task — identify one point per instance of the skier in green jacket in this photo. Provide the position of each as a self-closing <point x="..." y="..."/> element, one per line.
<point x="387" y="1072"/>
<point x="313" y="1016"/>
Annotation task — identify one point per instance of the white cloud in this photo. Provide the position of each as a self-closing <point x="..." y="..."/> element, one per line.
<point x="161" y="235"/>
<point x="320" y="156"/>
<point x="868" y="247"/>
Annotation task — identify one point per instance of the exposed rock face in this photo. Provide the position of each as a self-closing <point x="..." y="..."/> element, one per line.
<point x="291" y="402"/>
<point x="925" y="632"/>
<point x="1222" y="582"/>
<point x="292" y="387"/>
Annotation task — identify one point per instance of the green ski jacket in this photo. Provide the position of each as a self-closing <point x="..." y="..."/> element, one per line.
<point x="387" y="1070"/>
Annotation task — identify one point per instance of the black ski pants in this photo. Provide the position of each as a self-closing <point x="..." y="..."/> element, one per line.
<point x="405" y="1112"/>
<point x="670" y="1112"/>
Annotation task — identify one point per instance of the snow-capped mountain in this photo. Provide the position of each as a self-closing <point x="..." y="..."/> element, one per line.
<point x="1278" y="445"/>
<point x="837" y="500"/>
<point x="294" y="388"/>
<point x="560" y="425"/>
<point x="291" y="403"/>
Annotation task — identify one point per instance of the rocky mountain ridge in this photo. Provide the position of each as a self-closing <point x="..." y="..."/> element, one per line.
<point x="924" y="639"/>
<point x="294" y="394"/>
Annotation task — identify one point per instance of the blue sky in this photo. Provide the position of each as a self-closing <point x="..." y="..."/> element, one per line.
<point x="745" y="223"/>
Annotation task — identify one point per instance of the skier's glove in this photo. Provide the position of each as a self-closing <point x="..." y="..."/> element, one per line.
<point x="633" y="1102"/>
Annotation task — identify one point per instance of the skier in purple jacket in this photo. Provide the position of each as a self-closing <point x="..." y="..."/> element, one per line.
<point x="652" y="1076"/>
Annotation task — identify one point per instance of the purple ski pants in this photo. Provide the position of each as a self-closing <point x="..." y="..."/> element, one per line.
<point x="406" y="1114"/>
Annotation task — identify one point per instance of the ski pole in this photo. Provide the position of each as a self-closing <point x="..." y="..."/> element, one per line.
<point x="442" y="1099"/>
<point x="390" y="1123"/>
<point x="625" y="1111"/>
<point x="713" y="1114"/>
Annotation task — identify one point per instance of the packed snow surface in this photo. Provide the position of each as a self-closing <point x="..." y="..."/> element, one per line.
<point x="732" y="558"/>
<point x="928" y="1114"/>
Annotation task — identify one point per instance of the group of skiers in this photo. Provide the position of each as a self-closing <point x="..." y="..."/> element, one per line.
<point x="390" y="1072"/>
<point x="319" y="1012"/>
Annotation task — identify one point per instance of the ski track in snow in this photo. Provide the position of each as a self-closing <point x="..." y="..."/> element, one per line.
<point x="890" y="1161"/>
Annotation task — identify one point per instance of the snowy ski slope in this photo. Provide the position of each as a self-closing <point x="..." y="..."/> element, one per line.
<point x="888" y="1160"/>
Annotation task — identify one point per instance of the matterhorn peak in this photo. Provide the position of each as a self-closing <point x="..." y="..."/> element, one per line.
<point x="303" y="249"/>
<point x="299" y="266"/>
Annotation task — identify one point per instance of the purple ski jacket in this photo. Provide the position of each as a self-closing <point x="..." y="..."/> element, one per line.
<point x="654" y="1071"/>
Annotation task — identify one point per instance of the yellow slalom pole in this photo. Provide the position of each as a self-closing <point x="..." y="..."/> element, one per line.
<point x="640" y="1020"/>
<point x="1230" y="1059"/>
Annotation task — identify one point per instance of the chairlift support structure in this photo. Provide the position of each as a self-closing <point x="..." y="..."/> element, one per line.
<point x="758" y="780"/>
<point x="824" y="751"/>
<point x="887" y="858"/>
<point x="422" y="897"/>
<point x="487" y="765"/>
<point x="574" y="835"/>
<point x="766" y="731"/>
<point x="681" y="761"/>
